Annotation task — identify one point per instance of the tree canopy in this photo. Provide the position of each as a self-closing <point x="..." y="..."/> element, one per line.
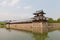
<point x="58" y="20"/>
<point x="51" y="20"/>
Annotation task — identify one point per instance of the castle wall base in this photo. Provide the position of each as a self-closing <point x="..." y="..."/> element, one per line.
<point x="38" y="27"/>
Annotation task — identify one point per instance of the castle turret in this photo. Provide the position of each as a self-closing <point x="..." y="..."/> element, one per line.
<point x="39" y="16"/>
<point x="41" y="21"/>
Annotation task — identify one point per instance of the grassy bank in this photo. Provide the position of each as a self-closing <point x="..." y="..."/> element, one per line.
<point x="2" y="24"/>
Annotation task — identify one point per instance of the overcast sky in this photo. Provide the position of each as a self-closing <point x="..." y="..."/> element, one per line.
<point x="18" y="9"/>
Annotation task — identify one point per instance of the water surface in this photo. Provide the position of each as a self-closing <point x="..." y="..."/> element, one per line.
<point x="23" y="35"/>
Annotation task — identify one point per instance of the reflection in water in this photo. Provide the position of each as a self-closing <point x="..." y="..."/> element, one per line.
<point x="9" y="34"/>
<point x="40" y="36"/>
<point x="8" y="29"/>
<point x="52" y="34"/>
<point x="36" y="36"/>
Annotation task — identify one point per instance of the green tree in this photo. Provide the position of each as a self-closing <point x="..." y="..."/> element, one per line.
<point x="2" y="24"/>
<point x="55" y="21"/>
<point x="58" y="20"/>
<point x="50" y="20"/>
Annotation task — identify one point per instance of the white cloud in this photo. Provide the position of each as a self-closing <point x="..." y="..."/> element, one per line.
<point x="14" y="2"/>
<point x="18" y="7"/>
<point x="3" y="3"/>
<point x="9" y="2"/>
<point x="27" y="7"/>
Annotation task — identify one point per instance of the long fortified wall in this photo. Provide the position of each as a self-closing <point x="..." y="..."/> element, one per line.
<point x="34" y="27"/>
<point x="38" y="24"/>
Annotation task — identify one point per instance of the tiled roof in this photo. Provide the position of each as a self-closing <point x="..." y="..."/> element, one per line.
<point x="22" y="20"/>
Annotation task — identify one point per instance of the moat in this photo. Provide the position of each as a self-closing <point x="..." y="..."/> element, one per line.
<point x="9" y="34"/>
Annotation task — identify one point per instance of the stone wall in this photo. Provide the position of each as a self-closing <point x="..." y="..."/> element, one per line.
<point x="20" y="26"/>
<point x="34" y="27"/>
<point x="54" y="25"/>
